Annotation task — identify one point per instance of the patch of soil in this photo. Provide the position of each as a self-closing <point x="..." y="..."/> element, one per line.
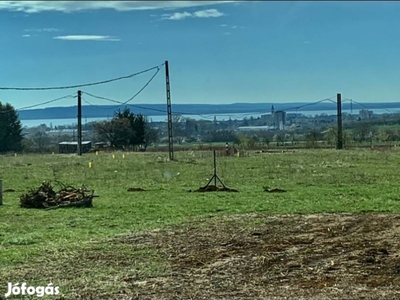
<point x="320" y="256"/>
<point x="136" y="190"/>
<point x="213" y="188"/>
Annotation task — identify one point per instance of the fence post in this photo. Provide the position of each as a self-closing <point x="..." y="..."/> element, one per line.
<point x="1" y="192"/>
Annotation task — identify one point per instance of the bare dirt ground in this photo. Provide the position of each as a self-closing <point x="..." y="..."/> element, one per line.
<point x="324" y="256"/>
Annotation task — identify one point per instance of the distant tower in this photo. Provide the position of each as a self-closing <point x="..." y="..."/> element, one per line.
<point x="351" y="106"/>
<point x="272" y="110"/>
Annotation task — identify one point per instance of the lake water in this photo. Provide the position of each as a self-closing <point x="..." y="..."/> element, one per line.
<point x="219" y="117"/>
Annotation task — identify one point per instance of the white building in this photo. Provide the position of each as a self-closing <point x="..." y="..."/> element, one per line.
<point x="365" y="114"/>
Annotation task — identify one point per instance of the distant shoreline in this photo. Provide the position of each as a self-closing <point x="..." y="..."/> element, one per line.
<point x="53" y="113"/>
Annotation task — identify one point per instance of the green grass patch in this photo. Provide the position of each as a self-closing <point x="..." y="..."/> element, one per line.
<point x="315" y="181"/>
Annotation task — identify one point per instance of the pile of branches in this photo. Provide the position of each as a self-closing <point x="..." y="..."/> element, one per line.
<point x="46" y="198"/>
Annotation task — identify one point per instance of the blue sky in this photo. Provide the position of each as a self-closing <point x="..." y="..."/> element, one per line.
<point x="219" y="52"/>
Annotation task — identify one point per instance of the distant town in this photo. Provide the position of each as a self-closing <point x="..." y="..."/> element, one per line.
<point x="276" y="128"/>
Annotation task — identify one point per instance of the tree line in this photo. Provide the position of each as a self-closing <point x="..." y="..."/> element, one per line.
<point x="125" y="130"/>
<point x="10" y="129"/>
<point x="130" y="131"/>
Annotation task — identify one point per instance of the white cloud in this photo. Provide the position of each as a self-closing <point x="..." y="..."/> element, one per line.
<point x="73" y="6"/>
<point x="233" y="26"/>
<point x="306" y="42"/>
<point x="26" y="35"/>
<point x="208" y="13"/>
<point x="87" y="38"/>
<point x="43" y="30"/>
<point x="177" y="16"/>
<point x="50" y="29"/>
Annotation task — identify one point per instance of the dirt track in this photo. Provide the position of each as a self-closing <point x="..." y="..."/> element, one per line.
<point x="276" y="257"/>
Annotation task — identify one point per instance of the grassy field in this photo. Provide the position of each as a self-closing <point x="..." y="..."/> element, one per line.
<point x="85" y="253"/>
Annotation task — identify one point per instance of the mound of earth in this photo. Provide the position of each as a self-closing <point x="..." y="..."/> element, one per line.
<point x="324" y="256"/>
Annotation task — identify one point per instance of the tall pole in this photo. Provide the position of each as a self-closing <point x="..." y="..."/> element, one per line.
<point x="169" y="111"/>
<point x="351" y="106"/>
<point x="79" y="123"/>
<point x="215" y="170"/>
<point x="339" y="122"/>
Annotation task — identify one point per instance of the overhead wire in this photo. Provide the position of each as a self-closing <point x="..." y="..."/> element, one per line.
<point x="284" y="109"/>
<point x="131" y="98"/>
<point x="205" y="116"/>
<point x="134" y="105"/>
<point x="367" y="107"/>
<point x="119" y="102"/>
<point x="80" y="85"/>
<point x="39" y="104"/>
<point x="309" y="104"/>
<point x="46" y="102"/>
<point x="122" y="103"/>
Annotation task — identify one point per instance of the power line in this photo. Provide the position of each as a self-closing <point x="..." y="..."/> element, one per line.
<point x="39" y="104"/>
<point x="80" y="85"/>
<point x="119" y="102"/>
<point x="131" y="98"/>
<point x="366" y="107"/>
<point x="208" y="116"/>
<point x="134" y="105"/>
<point x="284" y="109"/>
<point x="46" y="102"/>
<point x="205" y="116"/>
<point x="309" y="104"/>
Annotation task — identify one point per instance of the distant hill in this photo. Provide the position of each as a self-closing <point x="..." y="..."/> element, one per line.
<point x="102" y="111"/>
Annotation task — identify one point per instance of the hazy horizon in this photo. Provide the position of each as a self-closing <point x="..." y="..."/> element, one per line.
<point x="218" y="52"/>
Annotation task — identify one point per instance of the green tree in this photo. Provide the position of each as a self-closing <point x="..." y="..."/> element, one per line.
<point x="251" y="141"/>
<point x="139" y="127"/>
<point x="267" y="137"/>
<point x="10" y="129"/>
<point x="178" y="126"/>
<point x="331" y="136"/>
<point x="41" y="142"/>
<point x="152" y="136"/>
<point x="221" y="136"/>
<point x="312" y="138"/>
<point x="362" y="131"/>
<point x="124" y="130"/>
<point x="280" y="139"/>
<point x="191" y="127"/>
<point x="383" y="135"/>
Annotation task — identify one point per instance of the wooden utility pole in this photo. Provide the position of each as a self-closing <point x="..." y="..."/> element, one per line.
<point x="339" y="122"/>
<point x="79" y="123"/>
<point x="169" y="111"/>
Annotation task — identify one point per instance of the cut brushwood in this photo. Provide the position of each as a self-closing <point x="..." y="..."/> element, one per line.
<point x="46" y="198"/>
